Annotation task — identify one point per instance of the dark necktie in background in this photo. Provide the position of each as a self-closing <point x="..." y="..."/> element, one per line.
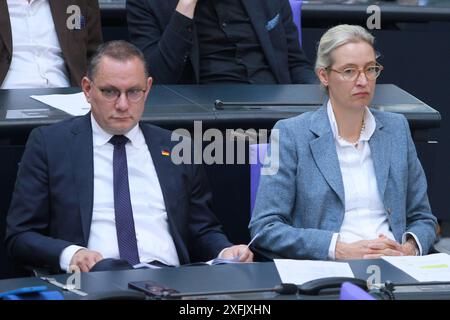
<point x="126" y="235"/>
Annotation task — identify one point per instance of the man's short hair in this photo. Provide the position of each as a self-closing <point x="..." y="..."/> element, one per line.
<point x="118" y="50"/>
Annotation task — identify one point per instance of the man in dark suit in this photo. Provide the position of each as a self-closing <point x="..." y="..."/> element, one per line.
<point x="103" y="185"/>
<point x="225" y="41"/>
<point x="53" y="47"/>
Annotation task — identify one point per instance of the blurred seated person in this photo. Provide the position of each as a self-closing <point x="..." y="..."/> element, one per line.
<point x="349" y="184"/>
<point x="101" y="190"/>
<point x="43" y="46"/>
<point x="219" y="41"/>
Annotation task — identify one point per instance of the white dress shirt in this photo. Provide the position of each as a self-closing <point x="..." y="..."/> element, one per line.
<point x="365" y="216"/>
<point x="37" y="60"/>
<point x="149" y="212"/>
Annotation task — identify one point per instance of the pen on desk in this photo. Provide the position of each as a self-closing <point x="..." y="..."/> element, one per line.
<point x="253" y="239"/>
<point x="237" y="258"/>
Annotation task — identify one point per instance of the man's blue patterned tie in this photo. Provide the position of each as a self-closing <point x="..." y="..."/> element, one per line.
<point x="126" y="235"/>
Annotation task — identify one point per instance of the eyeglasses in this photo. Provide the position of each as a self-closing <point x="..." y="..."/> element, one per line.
<point x="351" y="74"/>
<point x="112" y="94"/>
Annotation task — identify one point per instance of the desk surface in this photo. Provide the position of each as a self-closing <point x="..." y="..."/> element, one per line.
<point x="219" y="278"/>
<point x="391" y="11"/>
<point x="419" y="10"/>
<point x="254" y="106"/>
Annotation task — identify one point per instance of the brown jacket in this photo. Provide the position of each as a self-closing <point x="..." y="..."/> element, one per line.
<point x="76" y="45"/>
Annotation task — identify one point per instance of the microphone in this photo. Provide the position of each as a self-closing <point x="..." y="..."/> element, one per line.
<point x="283" y="288"/>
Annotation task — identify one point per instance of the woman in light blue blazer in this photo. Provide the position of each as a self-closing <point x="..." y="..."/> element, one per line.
<point x="349" y="184"/>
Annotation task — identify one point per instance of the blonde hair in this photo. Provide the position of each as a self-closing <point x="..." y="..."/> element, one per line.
<point x="336" y="37"/>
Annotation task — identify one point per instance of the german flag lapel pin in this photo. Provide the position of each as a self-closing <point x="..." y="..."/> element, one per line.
<point x="165" y="153"/>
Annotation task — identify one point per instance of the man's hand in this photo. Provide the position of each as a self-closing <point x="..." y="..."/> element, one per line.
<point x="85" y="259"/>
<point x="186" y="7"/>
<point x="368" y="249"/>
<point x="239" y="253"/>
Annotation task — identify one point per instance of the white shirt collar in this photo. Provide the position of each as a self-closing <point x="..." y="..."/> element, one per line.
<point x="369" y="123"/>
<point x="101" y="137"/>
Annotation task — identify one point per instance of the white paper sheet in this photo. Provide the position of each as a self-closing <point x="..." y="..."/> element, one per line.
<point x="301" y="271"/>
<point x="433" y="267"/>
<point x="74" y="104"/>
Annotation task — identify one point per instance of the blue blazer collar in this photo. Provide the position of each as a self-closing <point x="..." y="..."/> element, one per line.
<point x="380" y="147"/>
<point x="323" y="150"/>
<point x="320" y="124"/>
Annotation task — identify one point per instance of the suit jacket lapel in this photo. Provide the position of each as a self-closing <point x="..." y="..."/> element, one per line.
<point x="5" y="26"/>
<point x="58" y="9"/>
<point x="83" y="169"/>
<point x="258" y="17"/>
<point x="324" y="153"/>
<point x="167" y="177"/>
<point x="380" y="148"/>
